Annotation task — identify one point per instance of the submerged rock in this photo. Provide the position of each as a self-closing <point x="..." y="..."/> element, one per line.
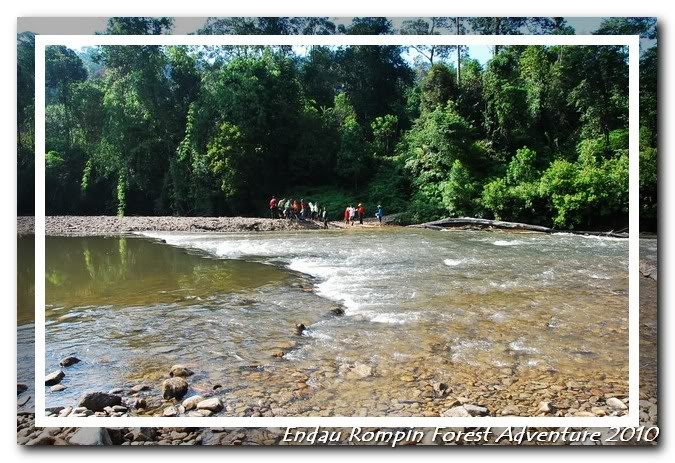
<point x="180" y="371"/>
<point x="140" y="387"/>
<point x="98" y="401"/>
<point x="20" y="388"/>
<point x="174" y="388"/>
<point x="54" y="378"/>
<point x="68" y="361"/>
<point x="338" y="311"/>
<point x="300" y="328"/>
<point x="649" y="269"/>
<point x="356" y="371"/>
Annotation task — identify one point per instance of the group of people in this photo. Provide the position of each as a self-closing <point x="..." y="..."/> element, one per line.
<point x="299" y="210"/>
<point x="292" y="209"/>
<point x="359" y="211"/>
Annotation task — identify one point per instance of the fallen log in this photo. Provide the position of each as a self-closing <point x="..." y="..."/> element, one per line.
<point x="452" y="222"/>
<point x="463" y="221"/>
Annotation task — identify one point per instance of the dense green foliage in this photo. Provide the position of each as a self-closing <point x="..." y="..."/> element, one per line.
<point x="537" y="134"/>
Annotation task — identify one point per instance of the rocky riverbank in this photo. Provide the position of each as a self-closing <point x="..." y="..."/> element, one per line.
<point x="466" y="393"/>
<point x="461" y="393"/>
<point x="112" y="225"/>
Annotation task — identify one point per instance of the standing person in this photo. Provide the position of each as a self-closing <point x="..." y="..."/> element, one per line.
<point x="362" y="212"/>
<point x="294" y="209"/>
<point x="324" y="217"/>
<point x="352" y="215"/>
<point x="287" y="209"/>
<point x="380" y="213"/>
<point x="273" y="207"/>
<point x="280" y="208"/>
<point x="303" y="209"/>
<point x="347" y="214"/>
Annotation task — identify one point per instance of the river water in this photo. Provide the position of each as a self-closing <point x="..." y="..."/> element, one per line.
<point x="466" y="308"/>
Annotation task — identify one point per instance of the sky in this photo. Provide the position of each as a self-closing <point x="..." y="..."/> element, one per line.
<point x="188" y="25"/>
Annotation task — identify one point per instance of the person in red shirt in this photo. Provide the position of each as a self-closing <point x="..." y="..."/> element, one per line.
<point x="295" y="208"/>
<point x="347" y="215"/>
<point x="362" y="213"/>
<point x="273" y="207"/>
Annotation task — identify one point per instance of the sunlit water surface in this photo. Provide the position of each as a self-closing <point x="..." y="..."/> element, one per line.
<point x="418" y="304"/>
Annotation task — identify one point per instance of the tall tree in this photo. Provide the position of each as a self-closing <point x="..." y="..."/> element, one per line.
<point x="498" y="26"/>
<point x="432" y="26"/>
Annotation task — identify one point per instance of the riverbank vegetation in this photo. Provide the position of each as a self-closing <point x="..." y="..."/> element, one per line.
<point x="535" y="134"/>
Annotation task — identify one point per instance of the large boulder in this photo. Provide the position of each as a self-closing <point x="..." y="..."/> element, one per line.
<point x="91" y="436"/>
<point x="174" y="388"/>
<point x="98" y="401"/>
<point x="54" y="378"/>
<point x="180" y="371"/>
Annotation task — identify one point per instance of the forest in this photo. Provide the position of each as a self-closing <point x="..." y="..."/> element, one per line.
<point x="536" y="134"/>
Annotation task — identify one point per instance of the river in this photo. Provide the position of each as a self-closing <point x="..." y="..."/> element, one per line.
<point x="479" y="311"/>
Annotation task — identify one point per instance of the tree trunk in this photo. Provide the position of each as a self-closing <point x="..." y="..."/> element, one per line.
<point x="458" y="53"/>
<point x="485" y="223"/>
<point x="497" y="24"/>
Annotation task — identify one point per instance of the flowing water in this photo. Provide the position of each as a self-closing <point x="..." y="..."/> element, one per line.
<point x="419" y="306"/>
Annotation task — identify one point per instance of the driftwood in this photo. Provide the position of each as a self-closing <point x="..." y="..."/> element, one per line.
<point x="486" y="223"/>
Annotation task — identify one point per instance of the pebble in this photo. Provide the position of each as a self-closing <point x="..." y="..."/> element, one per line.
<point x="214" y="405"/>
<point x="170" y="411"/>
<point x="616" y="404"/>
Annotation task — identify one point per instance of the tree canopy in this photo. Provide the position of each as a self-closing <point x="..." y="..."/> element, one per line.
<point x="536" y="134"/>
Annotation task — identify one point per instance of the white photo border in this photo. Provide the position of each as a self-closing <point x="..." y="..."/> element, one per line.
<point x="629" y="420"/>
